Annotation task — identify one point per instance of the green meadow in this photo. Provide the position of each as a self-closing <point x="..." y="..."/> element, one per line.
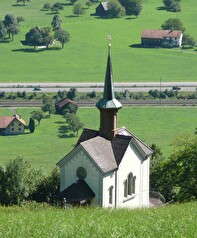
<point x="84" y="57"/>
<point x="48" y="144"/>
<point x="173" y="221"/>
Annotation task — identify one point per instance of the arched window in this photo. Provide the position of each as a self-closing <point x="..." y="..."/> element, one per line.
<point x="130" y="184"/>
<point x="125" y="188"/>
<point x="111" y="195"/>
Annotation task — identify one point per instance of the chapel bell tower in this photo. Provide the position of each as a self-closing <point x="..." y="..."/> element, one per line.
<point x="108" y="105"/>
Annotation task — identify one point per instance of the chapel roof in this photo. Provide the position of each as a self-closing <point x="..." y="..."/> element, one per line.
<point x="108" y="154"/>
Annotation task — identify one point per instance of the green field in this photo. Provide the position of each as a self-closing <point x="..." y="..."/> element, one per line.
<point x="47" y="145"/>
<point x="84" y="57"/>
<point x="173" y="221"/>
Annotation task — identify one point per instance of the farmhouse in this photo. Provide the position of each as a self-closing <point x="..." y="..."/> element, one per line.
<point x="108" y="167"/>
<point x="12" y="125"/>
<point x="64" y="104"/>
<point x="101" y="9"/>
<point x="161" y="38"/>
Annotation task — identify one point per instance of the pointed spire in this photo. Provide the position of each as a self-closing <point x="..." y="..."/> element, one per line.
<point x="108" y="105"/>
<point x="109" y="87"/>
<point x="109" y="100"/>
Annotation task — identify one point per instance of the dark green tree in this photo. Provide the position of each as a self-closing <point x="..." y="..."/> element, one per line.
<point x="78" y="9"/>
<point x="34" y="37"/>
<point x="115" y="9"/>
<point x="47" y="36"/>
<point x="88" y="4"/>
<point x="72" y="93"/>
<point x="39" y="37"/>
<point x="62" y="36"/>
<point x="23" y="1"/>
<point x="172" y="5"/>
<point x="173" y="24"/>
<point x="48" y="105"/>
<point x="73" y="122"/>
<point x="31" y="125"/>
<point x="176" y="178"/>
<point x="57" y="7"/>
<point x="56" y="23"/>
<point x="132" y="7"/>
<point x="11" y="24"/>
<point x="19" y="181"/>
<point x="48" y="188"/>
<point x="47" y="6"/>
<point x="3" y="31"/>
<point x="188" y="40"/>
<point x="38" y="115"/>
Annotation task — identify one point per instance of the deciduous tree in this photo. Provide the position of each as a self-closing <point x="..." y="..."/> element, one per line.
<point x="78" y="9"/>
<point x="23" y="1"/>
<point x="73" y="122"/>
<point x="57" y="7"/>
<point x="115" y="9"/>
<point x="38" y="115"/>
<point x="56" y="23"/>
<point x="173" y="24"/>
<point x="62" y="36"/>
<point x="19" y="181"/>
<point x="3" y="31"/>
<point x="11" y="25"/>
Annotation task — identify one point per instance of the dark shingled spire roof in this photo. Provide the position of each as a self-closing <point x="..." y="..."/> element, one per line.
<point x="108" y="100"/>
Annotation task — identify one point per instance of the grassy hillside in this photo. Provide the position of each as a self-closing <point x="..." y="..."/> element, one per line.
<point x="47" y="145"/>
<point x="166" y="222"/>
<point x="84" y="57"/>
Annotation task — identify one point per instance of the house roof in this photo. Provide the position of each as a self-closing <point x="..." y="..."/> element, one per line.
<point x="78" y="192"/>
<point x="5" y="121"/>
<point x="104" y="5"/>
<point x="65" y="101"/>
<point x="160" y="34"/>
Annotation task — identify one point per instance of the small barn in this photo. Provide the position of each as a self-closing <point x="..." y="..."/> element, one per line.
<point x="66" y="103"/>
<point x="12" y="125"/>
<point x="101" y="9"/>
<point x="108" y="167"/>
<point x="161" y="38"/>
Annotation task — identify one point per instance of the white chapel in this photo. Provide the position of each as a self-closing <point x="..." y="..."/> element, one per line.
<point x="108" y="167"/>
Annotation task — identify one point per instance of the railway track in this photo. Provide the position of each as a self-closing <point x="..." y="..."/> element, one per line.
<point x="127" y="103"/>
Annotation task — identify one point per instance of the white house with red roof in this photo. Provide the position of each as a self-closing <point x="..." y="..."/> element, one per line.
<point x="12" y="125"/>
<point x="162" y="38"/>
<point x="108" y="167"/>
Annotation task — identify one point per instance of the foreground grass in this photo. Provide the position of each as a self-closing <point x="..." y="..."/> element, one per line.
<point x="48" y="144"/>
<point x="167" y="222"/>
<point x="84" y="57"/>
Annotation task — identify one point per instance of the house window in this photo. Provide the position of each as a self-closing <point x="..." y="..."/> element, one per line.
<point x="12" y="129"/>
<point x="19" y="129"/>
<point x="19" y="124"/>
<point x="12" y="124"/>
<point x="81" y="173"/>
<point x="111" y="195"/>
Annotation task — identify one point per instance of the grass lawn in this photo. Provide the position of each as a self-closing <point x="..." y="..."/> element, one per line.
<point x="167" y="222"/>
<point x="47" y="145"/>
<point x="84" y="57"/>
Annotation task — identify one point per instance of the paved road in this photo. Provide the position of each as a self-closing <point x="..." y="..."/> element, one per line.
<point x="98" y="87"/>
